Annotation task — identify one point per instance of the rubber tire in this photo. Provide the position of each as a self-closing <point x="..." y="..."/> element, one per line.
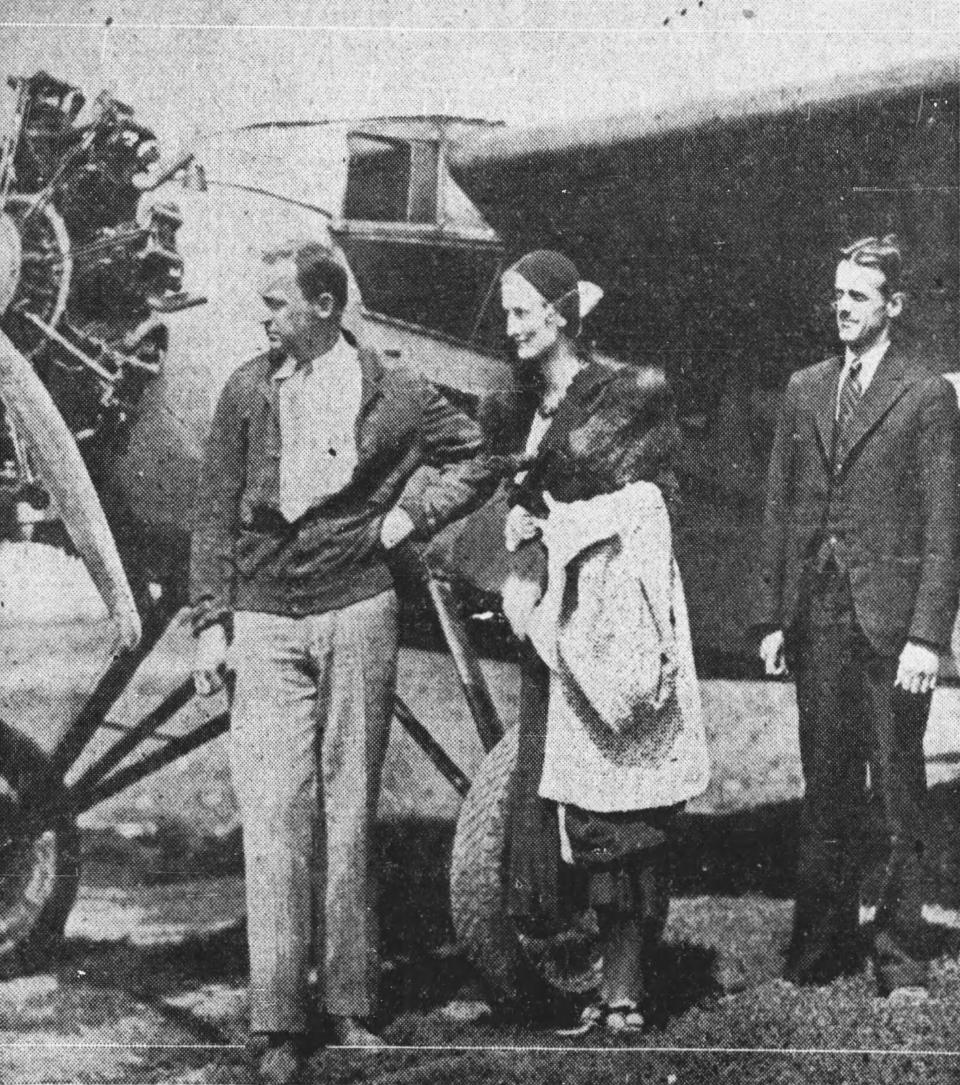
<point x="39" y="871"/>
<point x="483" y="927"/>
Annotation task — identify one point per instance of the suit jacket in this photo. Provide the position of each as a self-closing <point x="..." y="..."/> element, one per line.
<point x="895" y="497"/>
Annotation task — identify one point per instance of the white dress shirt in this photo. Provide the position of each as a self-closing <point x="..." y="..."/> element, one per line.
<point x="319" y="402"/>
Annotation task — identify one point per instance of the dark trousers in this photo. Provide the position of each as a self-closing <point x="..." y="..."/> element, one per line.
<point x="852" y="718"/>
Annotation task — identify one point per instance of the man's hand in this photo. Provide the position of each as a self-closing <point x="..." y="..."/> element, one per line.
<point x="396" y="526"/>
<point x="772" y="654"/>
<point x="210" y="667"/>
<point x="520" y="527"/>
<point x="520" y="596"/>
<point x="918" y="669"/>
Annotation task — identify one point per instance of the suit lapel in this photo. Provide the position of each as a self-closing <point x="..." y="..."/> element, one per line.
<point x="885" y="389"/>
<point x="825" y="405"/>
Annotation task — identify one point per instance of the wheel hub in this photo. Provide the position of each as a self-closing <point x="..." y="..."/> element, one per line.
<point x="28" y="862"/>
<point x="39" y="861"/>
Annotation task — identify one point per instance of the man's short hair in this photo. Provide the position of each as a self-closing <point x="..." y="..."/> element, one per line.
<point x="882" y="253"/>
<point x="319" y="271"/>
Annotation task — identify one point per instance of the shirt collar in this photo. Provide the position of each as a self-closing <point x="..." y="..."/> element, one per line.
<point x="868" y="359"/>
<point x="341" y="352"/>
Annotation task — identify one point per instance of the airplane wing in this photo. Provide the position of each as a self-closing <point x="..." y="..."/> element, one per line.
<point x="713" y="229"/>
<point x="711" y="226"/>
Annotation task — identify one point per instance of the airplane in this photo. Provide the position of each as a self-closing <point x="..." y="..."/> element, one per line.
<point x="711" y="266"/>
<point x="713" y="229"/>
<point x="111" y="361"/>
<point x="128" y="290"/>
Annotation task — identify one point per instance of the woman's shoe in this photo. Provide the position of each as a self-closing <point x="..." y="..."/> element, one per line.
<point x="281" y="1062"/>
<point x="624" y="1019"/>
<point x="592" y="1017"/>
<point x="349" y="1032"/>
<point x="621" y="1019"/>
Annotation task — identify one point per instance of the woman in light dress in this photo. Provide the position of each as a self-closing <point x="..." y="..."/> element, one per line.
<point x="611" y="742"/>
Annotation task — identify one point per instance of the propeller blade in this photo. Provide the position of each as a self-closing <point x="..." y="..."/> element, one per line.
<point x="66" y="477"/>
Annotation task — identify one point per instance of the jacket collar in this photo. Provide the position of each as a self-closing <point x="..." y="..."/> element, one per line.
<point x="338" y="355"/>
<point x="372" y="372"/>
<point x="884" y="390"/>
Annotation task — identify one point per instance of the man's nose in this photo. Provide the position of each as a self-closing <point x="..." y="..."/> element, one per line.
<point x="513" y="327"/>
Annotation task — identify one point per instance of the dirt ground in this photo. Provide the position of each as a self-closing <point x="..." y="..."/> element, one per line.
<point x="151" y="985"/>
<point x="151" y="988"/>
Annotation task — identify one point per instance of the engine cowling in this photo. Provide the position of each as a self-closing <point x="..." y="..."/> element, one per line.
<point x="84" y="279"/>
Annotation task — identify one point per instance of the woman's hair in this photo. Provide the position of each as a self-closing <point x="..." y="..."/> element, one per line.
<point x="555" y="277"/>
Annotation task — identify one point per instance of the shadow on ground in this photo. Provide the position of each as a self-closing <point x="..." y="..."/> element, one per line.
<point x="150" y="975"/>
<point x="424" y="970"/>
<point x="754" y="850"/>
<point x="185" y="996"/>
<point x="743" y="851"/>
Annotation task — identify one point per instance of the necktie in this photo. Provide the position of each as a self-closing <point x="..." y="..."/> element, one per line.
<point x="850" y="393"/>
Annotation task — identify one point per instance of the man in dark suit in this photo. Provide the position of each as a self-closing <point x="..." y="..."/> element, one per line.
<point x="858" y="594"/>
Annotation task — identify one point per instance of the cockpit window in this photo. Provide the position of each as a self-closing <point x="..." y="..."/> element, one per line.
<point x="391" y="180"/>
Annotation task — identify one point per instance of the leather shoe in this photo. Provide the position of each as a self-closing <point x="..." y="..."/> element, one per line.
<point x="281" y="1063"/>
<point x="349" y="1032"/>
<point x="819" y="972"/>
<point x="908" y="996"/>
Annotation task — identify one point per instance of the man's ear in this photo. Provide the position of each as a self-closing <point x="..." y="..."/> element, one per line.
<point x="895" y="304"/>
<point x="325" y="305"/>
<point x="554" y="318"/>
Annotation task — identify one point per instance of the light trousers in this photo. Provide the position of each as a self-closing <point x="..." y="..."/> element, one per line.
<point x="310" y="722"/>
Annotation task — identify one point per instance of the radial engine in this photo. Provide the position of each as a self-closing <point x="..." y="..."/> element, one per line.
<point x="85" y="276"/>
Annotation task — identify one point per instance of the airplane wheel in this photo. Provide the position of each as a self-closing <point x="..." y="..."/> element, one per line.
<point x="39" y="867"/>
<point x="517" y="968"/>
